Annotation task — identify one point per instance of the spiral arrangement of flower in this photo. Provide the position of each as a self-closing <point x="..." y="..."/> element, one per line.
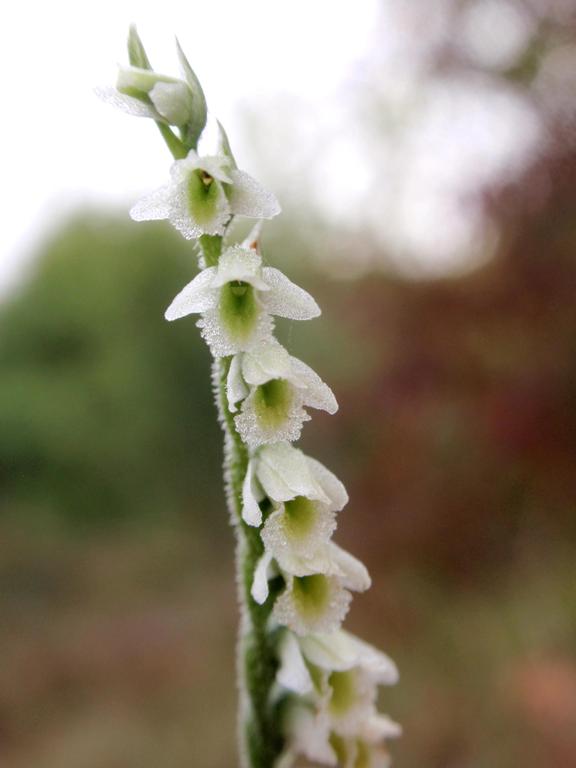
<point x="307" y="687"/>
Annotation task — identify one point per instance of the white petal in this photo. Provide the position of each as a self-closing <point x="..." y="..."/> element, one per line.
<point x="249" y="198"/>
<point x="251" y="512"/>
<point x="380" y="727"/>
<point x="172" y="101"/>
<point x="153" y="207"/>
<point x="284" y="473"/>
<point x="329" y="483"/>
<point x="317" y="394"/>
<point x="236" y="388"/>
<point x="260" y="589"/>
<point x="128" y="104"/>
<point x="266" y="362"/>
<point x="353" y="573"/>
<point x="197" y="296"/>
<point x="286" y="299"/>
<point x="243" y="264"/>
<point x="293" y="673"/>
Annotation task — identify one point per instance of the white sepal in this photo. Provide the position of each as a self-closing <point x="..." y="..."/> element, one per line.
<point x="128" y="104"/>
<point x="317" y="393"/>
<point x="198" y="296"/>
<point x="249" y="198"/>
<point x="262" y="573"/>
<point x="331" y="486"/>
<point x="286" y="299"/>
<point x="251" y="512"/>
<point x="293" y="673"/>
<point x="236" y="388"/>
<point x="380" y="727"/>
<point x="352" y="572"/>
<point x="152" y="207"/>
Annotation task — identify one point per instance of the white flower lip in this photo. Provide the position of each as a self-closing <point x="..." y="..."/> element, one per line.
<point x="314" y="603"/>
<point x="225" y="192"/>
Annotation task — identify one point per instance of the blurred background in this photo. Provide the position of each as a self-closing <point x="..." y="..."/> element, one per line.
<point x="425" y="157"/>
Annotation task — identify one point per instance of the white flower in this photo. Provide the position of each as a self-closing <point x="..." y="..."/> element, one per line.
<point x="203" y="193"/>
<point x="304" y="492"/>
<point x="336" y="720"/>
<point x="308" y="733"/>
<point x="277" y="389"/>
<point x="332" y="652"/>
<point x="145" y="93"/>
<point x="316" y="597"/>
<point x="237" y="300"/>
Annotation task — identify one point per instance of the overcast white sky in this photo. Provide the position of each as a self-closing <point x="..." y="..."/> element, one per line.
<point x="61" y="146"/>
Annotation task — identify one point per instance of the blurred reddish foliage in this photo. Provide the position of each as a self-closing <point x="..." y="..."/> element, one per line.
<point x="471" y="411"/>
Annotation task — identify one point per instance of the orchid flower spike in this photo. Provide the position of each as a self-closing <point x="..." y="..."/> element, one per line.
<point x="307" y="688"/>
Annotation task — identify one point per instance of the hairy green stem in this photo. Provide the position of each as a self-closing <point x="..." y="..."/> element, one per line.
<point x="260" y="737"/>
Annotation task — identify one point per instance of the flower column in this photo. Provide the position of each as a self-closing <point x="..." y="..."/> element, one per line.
<point x="306" y="686"/>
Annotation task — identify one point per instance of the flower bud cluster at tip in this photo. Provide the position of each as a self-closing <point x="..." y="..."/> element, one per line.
<point x="328" y="677"/>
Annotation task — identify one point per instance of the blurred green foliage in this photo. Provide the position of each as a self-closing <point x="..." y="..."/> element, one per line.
<point x="105" y="409"/>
